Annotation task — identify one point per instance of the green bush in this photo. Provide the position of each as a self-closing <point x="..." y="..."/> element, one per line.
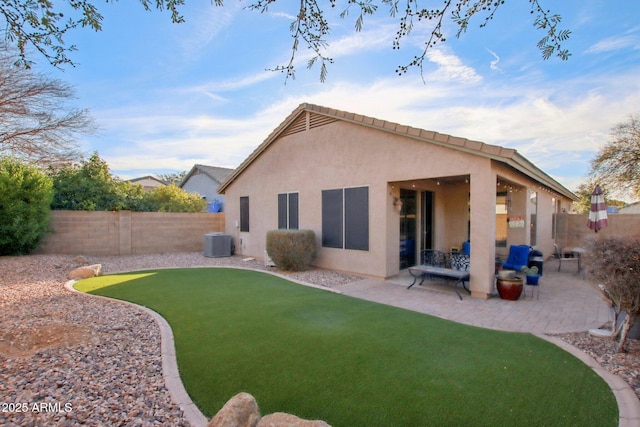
<point x="89" y="186"/>
<point x="25" y="197"/>
<point x="171" y="198"/>
<point x="292" y="250"/>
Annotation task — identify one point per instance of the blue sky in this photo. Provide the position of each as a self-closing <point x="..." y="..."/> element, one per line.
<point x="167" y="96"/>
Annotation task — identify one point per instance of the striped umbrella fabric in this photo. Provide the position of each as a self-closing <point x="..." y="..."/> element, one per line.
<point x="598" y="210"/>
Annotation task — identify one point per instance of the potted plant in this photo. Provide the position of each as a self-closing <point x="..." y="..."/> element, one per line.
<point x="509" y="285"/>
<point x="532" y="275"/>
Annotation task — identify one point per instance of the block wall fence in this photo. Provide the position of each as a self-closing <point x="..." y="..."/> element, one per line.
<point x="133" y="233"/>
<point x="572" y="230"/>
<point x="128" y="233"/>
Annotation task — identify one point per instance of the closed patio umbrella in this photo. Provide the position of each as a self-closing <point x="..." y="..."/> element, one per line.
<point x="598" y="210"/>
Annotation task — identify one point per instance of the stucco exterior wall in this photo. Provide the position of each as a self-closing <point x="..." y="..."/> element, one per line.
<point x="340" y="155"/>
<point x="205" y="186"/>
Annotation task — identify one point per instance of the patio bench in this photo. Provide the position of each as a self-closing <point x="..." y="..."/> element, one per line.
<point x="458" y="272"/>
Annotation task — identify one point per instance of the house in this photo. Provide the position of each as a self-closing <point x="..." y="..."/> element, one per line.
<point x="376" y="193"/>
<point x="148" y="182"/>
<point x="204" y="180"/>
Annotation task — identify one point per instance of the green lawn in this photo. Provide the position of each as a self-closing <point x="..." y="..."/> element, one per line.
<point x="352" y="363"/>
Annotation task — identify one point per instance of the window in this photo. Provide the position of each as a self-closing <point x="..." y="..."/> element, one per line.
<point x="345" y="218"/>
<point x="288" y="211"/>
<point x="244" y="213"/>
<point x="502" y="226"/>
<point x="332" y="213"/>
<point x="533" y="237"/>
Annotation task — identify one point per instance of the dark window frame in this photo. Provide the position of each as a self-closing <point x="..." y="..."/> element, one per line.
<point x="345" y="218"/>
<point x="332" y="219"/>
<point x="244" y="213"/>
<point x="289" y="211"/>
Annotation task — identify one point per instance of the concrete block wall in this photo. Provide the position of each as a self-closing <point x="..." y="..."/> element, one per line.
<point x="128" y="233"/>
<point x="572" y="230"/>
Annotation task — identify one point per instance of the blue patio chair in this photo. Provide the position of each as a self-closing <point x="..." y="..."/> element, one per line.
<point x="518" y="257"/>
<point x="466" y="248"/>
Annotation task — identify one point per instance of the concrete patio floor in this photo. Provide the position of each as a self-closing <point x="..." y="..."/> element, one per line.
<point x="567" y="302"/>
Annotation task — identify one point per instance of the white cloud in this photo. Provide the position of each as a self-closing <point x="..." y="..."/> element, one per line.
<point x="202" y="25"/>
<point x="615" y="43"/>
<point x="232" y="84"/>
<point x="374" y="37"/>
<point x="451" y="67"/>
<point x="630" y="39"/>
<point x="283" y="15"/>
<point x="496" y="60"/>
<point x="557" y="124"/>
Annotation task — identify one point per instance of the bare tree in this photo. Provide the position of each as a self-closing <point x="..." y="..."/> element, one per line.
<point x="36" y="122"/>
<point x="617" y="164"/>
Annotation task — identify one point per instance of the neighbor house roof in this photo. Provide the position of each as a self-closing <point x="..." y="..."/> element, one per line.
<point x="217" y="174"/>
<point x="148" y="177"/>
<point x="297" y="122"/>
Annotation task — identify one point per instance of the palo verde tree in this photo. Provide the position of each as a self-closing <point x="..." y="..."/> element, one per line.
<point x="37" y="123"/>
<point x="43" y="25"/>
<point x="25" y="196"/>
<point x="617" y="164"/>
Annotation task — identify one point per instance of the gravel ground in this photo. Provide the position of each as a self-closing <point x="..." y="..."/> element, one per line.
<point x="70" y="360"/>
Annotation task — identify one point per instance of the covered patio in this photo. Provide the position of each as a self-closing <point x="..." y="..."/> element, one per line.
<point x="459" y="213"/>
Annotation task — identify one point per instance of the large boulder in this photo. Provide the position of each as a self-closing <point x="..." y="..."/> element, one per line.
<point x="280" y="419"/>
<point x="85" y="272"/>
<point x="240" y="411"/>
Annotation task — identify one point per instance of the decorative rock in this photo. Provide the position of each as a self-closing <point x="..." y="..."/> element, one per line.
<point x="603" y="333"/>
<point x="280" y="419"/>
<point x="85" y="272"/>
<point x="80" y="260"/>
<point x="240" y="411"/>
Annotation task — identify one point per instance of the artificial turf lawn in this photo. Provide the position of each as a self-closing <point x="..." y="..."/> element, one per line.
<point x="321" y="355"/>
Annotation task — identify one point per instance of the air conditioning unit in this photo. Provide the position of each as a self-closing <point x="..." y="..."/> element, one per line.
<point x="217" y="245"/>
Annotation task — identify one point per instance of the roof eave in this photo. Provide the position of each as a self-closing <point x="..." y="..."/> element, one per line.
<point x="508" y="156"/>
<point x="262" y="147"/>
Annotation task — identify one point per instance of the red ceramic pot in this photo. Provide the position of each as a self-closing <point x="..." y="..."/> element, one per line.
<point x="510" y="289"/>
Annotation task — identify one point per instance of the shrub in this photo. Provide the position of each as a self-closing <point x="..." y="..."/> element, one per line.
<point x="292" y="250"/>
<point x="89" y="186"/>
<point x="614" y="264"/>
<point x="171" y="198"/>
<point x="25" y="197"/>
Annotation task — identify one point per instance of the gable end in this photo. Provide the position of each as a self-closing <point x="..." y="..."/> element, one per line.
<point x="308" y="121"/>
<point x="317" y="120"/>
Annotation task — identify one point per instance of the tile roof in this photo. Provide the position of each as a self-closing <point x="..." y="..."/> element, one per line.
<point x="508" y="156"/>
<point x="216" y="173"/>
